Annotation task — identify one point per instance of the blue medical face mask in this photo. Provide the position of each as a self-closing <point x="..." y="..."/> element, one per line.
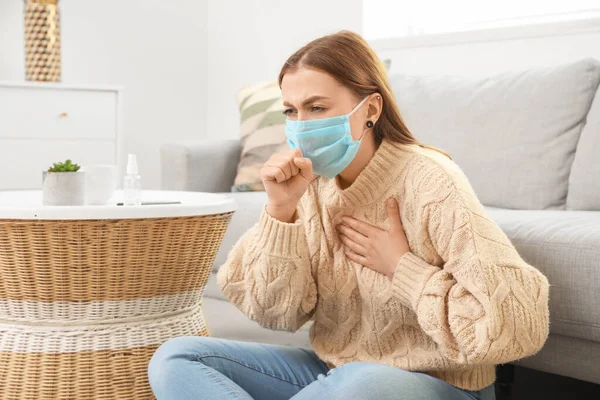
<point x="327" y="142"/>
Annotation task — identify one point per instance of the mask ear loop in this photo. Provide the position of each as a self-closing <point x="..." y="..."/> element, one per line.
<point x="354" y="110"/>
<point x="363" y="134"/>
<point x="358" y="106"/>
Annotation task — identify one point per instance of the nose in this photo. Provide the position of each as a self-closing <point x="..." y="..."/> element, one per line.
<point x="304" y="116"/>
<point x="301" y="116"/>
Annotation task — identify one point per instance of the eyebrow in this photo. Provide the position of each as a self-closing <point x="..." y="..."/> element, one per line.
<point x="311" y="99"/>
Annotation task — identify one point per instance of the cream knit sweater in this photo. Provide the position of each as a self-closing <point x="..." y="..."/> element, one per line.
<point x="460" y="302"/>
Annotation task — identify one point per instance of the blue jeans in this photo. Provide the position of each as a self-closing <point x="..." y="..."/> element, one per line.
<point x="194" y="367"/>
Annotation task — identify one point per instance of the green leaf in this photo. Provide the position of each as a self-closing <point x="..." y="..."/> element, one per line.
<point x="67" y="166"/>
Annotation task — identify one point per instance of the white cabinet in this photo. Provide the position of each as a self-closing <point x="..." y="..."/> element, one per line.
<point x="44" y="123"/>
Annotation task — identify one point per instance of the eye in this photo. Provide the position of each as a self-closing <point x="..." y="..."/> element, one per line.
<point x="317" y="109"/>
<point x="288" y="112"/>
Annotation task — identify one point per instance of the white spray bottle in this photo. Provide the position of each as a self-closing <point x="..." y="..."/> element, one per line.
<point x="132" y="183"/>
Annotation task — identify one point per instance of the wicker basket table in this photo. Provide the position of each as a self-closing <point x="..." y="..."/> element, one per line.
<point x="88" y="293"/>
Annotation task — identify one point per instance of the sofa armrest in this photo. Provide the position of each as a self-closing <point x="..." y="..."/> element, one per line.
<point x="207" y="166"/>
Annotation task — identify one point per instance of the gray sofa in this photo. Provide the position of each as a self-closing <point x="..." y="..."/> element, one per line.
<point x="529" y="142"/>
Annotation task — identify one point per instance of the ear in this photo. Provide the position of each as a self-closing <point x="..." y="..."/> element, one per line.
<point x="374" y="107"/>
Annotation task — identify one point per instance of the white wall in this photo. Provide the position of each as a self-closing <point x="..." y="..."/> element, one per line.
<point x="156" y="49"/>
<point x="12" y="65"/>
<point x="181" y="61"/>
<point x="249" y="40"/>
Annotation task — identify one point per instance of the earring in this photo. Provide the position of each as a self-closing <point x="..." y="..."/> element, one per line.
<point x="369" y="124"/>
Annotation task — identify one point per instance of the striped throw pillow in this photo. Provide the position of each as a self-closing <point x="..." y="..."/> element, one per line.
<point x="262" y="132"/>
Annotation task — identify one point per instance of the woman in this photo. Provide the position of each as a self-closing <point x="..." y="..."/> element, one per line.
<point x="415" y="293"/>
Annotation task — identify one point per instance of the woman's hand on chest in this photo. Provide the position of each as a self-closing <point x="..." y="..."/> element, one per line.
<point x="373" y="247"/>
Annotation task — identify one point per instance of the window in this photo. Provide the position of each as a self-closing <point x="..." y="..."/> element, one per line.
<point x="401" y="18"/>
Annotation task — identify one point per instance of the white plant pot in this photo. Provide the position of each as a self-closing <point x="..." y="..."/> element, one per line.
<point x="63" y="188"/>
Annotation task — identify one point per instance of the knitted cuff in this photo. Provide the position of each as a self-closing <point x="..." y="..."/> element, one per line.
<point x="410" y="277"/>
<point x="280" y="238"/>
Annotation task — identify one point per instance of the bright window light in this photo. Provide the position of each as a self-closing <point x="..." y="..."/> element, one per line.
<point x="400" y="18"/>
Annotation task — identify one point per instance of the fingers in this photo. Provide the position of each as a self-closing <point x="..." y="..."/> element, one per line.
<point x="352" y="244"/>
<point x="352" y="235"/>
<point x="357" y="258"/>
<point x="284" y="163"/>
<point x="293" y="154"/>
<point x="305" y="166"/>
<point x="268" y="173"/>
<point x="361" y="227"/>
<point x="280" y="167"/>
<point x="393" y="213"/>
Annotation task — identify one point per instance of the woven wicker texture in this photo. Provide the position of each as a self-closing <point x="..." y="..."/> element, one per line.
<point x="106" y="259"/>
<point x="86" y="375"/>
<point x="84" y="304"/>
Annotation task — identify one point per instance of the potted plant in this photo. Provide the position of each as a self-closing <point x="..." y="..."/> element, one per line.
<point x="63" y="185"/>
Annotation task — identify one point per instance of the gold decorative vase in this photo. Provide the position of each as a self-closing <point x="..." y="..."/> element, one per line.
<point x="42" y="40"/>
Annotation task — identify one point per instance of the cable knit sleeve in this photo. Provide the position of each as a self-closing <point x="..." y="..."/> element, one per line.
<point x="484" y="304"/>
<point x="268" y="275"/>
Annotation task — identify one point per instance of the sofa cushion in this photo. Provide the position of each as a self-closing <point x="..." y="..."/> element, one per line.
<point x="513" y="134"/>
<point x="565" y="247"/>
<point x="249" y="207"/>
<point x="199" y="166"/>
<point x="225" y="321"/>
<point x="584" y="183"/>
<point x="262" y="132"/>
<point x="567" y="356"/>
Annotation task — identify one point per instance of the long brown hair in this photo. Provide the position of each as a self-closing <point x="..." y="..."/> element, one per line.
<point x="347" y="57"/>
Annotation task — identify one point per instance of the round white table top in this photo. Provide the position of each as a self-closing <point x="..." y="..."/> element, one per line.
<point x="27" y="204"/>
